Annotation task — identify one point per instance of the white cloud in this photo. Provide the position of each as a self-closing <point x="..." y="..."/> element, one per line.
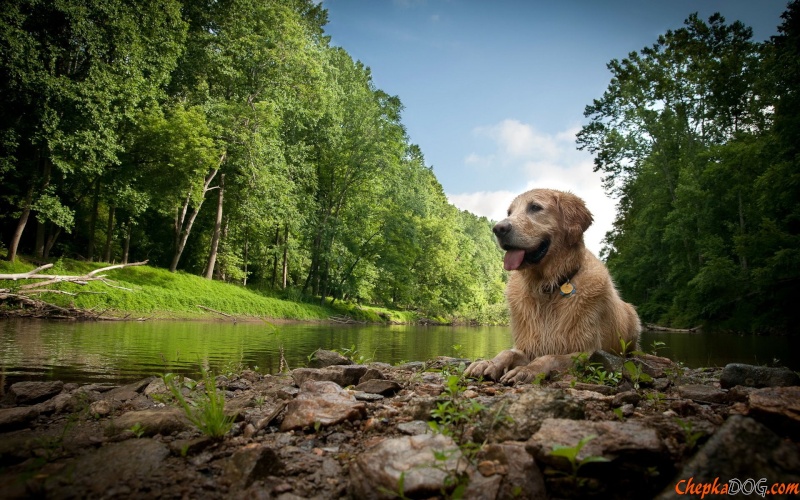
<point x="539" y="161"/>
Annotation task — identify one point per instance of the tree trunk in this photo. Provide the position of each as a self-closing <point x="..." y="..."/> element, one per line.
<point x="93" y="221"/>
<point x="55" y="232"/>
<point x="212" y="255"/>
<point x="23" y="220"/>
<point x="181" y="231"/>
<point x="40" y="233"/>
<point x="246" y="241"/>
<point x="127" y="244"/>
<point x="285" y="256"/>
<point x="109" y="234"/>
<point x="274" y="282"/>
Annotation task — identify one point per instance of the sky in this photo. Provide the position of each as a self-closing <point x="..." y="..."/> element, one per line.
<point x="494" y="90"/>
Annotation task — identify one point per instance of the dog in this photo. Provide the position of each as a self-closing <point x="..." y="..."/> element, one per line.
<point x="561" y="298"/>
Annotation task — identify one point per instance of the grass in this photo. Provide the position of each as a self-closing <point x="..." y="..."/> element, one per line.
<point x="155" y="292"/>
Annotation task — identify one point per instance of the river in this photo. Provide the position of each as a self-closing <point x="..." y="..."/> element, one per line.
<point x="125" y="351"/>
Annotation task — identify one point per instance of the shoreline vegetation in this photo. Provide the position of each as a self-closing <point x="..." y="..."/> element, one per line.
<point x="141" y="292"/>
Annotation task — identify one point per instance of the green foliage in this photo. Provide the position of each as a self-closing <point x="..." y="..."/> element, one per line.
<point x="697" y="137"/>
<point x="633" y="371"/>
<point x="571" y="454"/>
<point x="691" y="436"/>
<point x="206" y="411"/>
<point x="453" y="416"/>
<point x="120" y="120"/>
<point x="592" y="373"/>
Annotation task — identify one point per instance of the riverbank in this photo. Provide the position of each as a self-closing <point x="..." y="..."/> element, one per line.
<point x="417" y="430"/>
<point x="147" y="293"/>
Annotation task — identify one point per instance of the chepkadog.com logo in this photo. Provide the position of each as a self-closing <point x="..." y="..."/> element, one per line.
<point x="736" y="487"/>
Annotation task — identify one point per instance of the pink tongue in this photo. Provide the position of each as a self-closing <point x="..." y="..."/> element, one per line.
<point x="513" y="259"/>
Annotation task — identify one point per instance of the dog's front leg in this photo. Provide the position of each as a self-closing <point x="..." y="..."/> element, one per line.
<point x="495" y="368"/>
<point x="543" y="364"/>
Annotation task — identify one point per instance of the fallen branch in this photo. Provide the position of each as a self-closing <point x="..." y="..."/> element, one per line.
<point x="218" y="312"/>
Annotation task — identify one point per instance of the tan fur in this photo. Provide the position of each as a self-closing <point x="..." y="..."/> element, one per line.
<point x="549" y="328"/>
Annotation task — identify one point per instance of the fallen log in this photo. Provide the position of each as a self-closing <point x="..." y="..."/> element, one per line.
<point x="656" y="328"/>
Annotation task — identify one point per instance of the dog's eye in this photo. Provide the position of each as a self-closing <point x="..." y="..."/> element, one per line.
<point x="534" y="207"/>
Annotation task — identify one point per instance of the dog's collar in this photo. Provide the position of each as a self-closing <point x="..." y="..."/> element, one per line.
<point x="564" y="286"/>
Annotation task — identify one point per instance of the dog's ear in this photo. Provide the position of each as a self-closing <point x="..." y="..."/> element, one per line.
<point x="577" y="218"/>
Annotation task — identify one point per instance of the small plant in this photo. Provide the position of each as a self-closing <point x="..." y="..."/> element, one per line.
<point x="635" y="374"/>
<point x="619" y="414"/>
<point x="624" y="347"/>
<point x="453" y="415"/>
<point x="457" y="349"/>
<point x="137" y="429"/>
<point x="656" y="346"/>
<point x="208" y="412"/>
<point x="690" y="435"/>
<point x="592" y="373"/>
<point x="571" y="454"/>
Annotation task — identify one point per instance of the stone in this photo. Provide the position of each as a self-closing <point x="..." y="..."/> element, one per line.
<point x="627" y="397"/>
<point x="602" y="389"/>
<point x="414" y="427"/>
<point x="525" y="414"/>
<point x="97" y="475"/>
<point x="376" y="473"/>
<point x="722" y="458"/>
<point x="521" y="478"/>
<point x="162" y="421"/>
<point x="382" y="387"/>
<point x="779" y="408"/>
<point x="757" y="376"/>
<point x="611" y="362"/>
<point x="28" y="393"/>
<point x="321" y="403"/>
<point x="703" y="394"/>
<point x="16" y="418"/>
<point x="252" y="463"/>
<point x="371" y="374"/>
<point x="322" y="358"/>
<point x="100" y="408"/>
<point x="343" y="376"/>
<point x="630" y="451"/>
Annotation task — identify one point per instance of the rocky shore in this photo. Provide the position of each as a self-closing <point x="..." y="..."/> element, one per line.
<point x="652" y="428"/>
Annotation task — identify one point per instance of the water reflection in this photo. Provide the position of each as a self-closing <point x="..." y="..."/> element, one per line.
<point x="123" y="351"/>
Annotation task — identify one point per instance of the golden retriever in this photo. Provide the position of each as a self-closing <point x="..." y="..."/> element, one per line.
<point x="560" y="296"/>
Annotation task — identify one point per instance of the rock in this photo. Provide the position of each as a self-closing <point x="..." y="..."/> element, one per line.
<point x="703" y="394"/>
<point x="525" y="413"/>
<point x="28" y="393"/>
<point x="321" y="403"/>
<point x="377" y="472"/>
<point x="722" y="458"/>
<point x="414" y="366"/>
<point x="371" y="374"/>
<point x="343" y="376"/>
<point x="100" y="408"/>
<point x="367" y="396"/>
<point x="97" y="475"/>
<point x="521" y="477"/>
<point x="322" y="358"/>
<point x="16" y="418"/>
<point x="779" y="408"/>
<point x="415" y="427"/>
<point x="627" y="397"/>
<point x="382" y="387"/>
<point x="757" y="376"/>
<point x="252" y="463"/>
<point x="611" y="362"/>
<point x="630" y="451"/>
<point x="602" y="389"/>
<point x="162" y="421"/>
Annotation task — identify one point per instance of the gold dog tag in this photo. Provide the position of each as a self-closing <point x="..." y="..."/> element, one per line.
<point x="567" y="290"/>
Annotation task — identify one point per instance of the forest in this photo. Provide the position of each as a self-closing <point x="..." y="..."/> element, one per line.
<point x="698" y="136"/>
<point x="226" y="139"/>
<point x="230" y="139"/>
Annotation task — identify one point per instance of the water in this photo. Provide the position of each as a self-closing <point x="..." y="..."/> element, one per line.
<point x="126" y="351"/>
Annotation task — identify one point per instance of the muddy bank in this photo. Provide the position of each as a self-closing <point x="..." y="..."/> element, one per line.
<point x="365" y="431"/>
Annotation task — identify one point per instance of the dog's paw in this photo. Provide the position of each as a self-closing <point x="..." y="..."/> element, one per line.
<point x="485" y="368"/>
<point x="519" y="375"/>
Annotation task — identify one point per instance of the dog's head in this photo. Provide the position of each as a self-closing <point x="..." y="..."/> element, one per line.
<point x="539" y="222"/>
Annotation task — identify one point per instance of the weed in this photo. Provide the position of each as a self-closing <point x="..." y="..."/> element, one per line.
<point x="453" y="415"/>
<point x="690" y="436"/>
<point x="571" y="454"/>
<point x="137" y="429"/>
<point x="619" y="413"/>
<point x="592" y="373"/>
<point x="635" y="374"/>
<point x="624" y="347"/>
<point x="656" y="346"/>
<point x="457" y="348"/>
<point x="208" y="412"/>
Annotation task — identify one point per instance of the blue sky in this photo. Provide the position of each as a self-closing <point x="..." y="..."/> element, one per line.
<point x="494" y="91"/>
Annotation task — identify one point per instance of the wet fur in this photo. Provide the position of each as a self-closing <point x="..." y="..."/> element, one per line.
<point x="548" y="328"/>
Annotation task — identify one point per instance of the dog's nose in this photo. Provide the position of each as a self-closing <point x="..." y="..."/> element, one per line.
<point x="502" y="228"/>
